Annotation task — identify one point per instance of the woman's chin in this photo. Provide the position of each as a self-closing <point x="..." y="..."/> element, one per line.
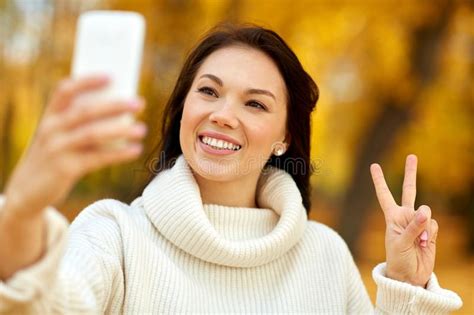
<point x="216" y="170"/>
<point x="223" y="168"/>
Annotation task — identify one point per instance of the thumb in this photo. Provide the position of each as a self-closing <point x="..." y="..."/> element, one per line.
<point x="418" y="224"/>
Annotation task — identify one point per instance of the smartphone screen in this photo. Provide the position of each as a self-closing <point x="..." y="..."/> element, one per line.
<point x="111" y="43"/>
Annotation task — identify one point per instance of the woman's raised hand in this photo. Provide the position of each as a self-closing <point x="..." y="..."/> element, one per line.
<point x="410" y="237"/>
<point x="69" y="143"/>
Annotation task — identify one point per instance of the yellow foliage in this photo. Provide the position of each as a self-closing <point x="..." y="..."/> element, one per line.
<point x="358" y="52"/>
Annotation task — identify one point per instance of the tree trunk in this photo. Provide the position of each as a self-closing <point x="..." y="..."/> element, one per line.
<point x="396" y="114"/>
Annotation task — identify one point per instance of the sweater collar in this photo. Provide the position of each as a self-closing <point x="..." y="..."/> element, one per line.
<point x="173" y="203"/>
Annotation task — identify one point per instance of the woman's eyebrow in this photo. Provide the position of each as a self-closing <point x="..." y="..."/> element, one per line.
<point x="213" y="78"/>
<point x="263" y="92"/>
<point x="249" y="91"/>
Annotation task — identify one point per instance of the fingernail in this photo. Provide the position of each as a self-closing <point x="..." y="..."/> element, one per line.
<point x="424" y="236"/>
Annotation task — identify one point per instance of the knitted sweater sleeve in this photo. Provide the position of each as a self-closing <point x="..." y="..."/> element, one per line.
<point x="84" y="278"/>
<point x="394" y="297"/>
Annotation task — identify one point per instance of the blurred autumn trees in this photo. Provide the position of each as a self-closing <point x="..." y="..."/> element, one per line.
<point x="398" y="108"/>
<point x="396" y="77"/>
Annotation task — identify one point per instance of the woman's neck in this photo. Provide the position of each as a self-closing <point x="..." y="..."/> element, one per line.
<point x="237" y="193"/>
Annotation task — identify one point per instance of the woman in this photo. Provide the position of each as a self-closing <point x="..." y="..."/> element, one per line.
<point x="223" y="225"/>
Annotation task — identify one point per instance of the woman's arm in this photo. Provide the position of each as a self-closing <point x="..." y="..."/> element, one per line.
<point x="395" y="297"/>
<point x="410" y="237"/>
<point x="22" y="240"/>
<point x="85" y="276"/>
<point x="68" y="144"/>
<point x="406" y="282"/>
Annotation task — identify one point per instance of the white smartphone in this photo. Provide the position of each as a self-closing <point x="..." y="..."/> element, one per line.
<point x="111" y="43"/>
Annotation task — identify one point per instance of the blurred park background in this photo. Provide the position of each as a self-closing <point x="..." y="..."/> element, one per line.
<point x="396" y="77"/>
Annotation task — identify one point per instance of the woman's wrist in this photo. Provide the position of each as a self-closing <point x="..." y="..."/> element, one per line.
<point x="21" y="237"/>
<point x="401" y="278"/>
<point x="14" y="215"/>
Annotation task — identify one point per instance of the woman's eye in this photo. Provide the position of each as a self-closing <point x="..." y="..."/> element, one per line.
<point x="208" y="91"/>
<point x="256" y="105"/>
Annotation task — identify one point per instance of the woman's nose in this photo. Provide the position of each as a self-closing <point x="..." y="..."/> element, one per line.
<point x="225" y="116"/>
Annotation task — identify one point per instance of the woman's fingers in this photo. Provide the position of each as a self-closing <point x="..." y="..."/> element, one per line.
<point x="93" y="146"/>
<point x="434" y="231"/>
<point x="409" y="182"/>
<point x="102" y="132"/>
<point x="98" y="158"/>
<point x="419" y="227"/>
<point x="70" y="88"/>
<point x="429" y="235"/>
<point x="384" y="195"/>
<point x="84" y="112"/>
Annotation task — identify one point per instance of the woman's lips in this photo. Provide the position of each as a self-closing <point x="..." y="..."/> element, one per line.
<point x="208" y="149"/>
<point x="219" y="136"/>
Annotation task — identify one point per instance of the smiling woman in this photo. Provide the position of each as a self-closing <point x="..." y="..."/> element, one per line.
<point x="226" y="104"/>
<point x="246" y="87"/>
<point x="222" y="226"/>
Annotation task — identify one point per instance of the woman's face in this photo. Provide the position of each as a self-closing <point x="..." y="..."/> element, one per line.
<point x="233" y="114"/>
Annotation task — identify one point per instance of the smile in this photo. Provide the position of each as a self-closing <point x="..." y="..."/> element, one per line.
<point x="217" y="146"/>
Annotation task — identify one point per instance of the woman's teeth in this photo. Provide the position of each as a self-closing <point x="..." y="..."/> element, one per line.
<point x="219" y="144"/>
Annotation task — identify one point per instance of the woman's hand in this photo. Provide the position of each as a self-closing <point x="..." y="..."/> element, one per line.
<point x="69" y="143"/>
<point x="410" y="237"/>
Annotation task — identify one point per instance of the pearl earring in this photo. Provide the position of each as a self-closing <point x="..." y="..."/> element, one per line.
<point x="279" y="151"/>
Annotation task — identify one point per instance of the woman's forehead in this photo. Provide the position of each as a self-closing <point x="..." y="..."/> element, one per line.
<point x="246" y="65"/>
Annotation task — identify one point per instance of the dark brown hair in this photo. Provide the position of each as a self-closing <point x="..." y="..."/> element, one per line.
<point x="302" y="97"/>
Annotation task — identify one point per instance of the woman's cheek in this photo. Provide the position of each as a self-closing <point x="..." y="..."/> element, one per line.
<point x="190" y="117"/>
<point x="188" y="125"/>
<point x="259" y="136"/>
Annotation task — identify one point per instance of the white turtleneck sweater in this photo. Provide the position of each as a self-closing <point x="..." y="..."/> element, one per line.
<point x="168" y="253"/>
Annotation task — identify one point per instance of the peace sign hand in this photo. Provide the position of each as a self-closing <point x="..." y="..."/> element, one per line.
<point x="410" y="237"/>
